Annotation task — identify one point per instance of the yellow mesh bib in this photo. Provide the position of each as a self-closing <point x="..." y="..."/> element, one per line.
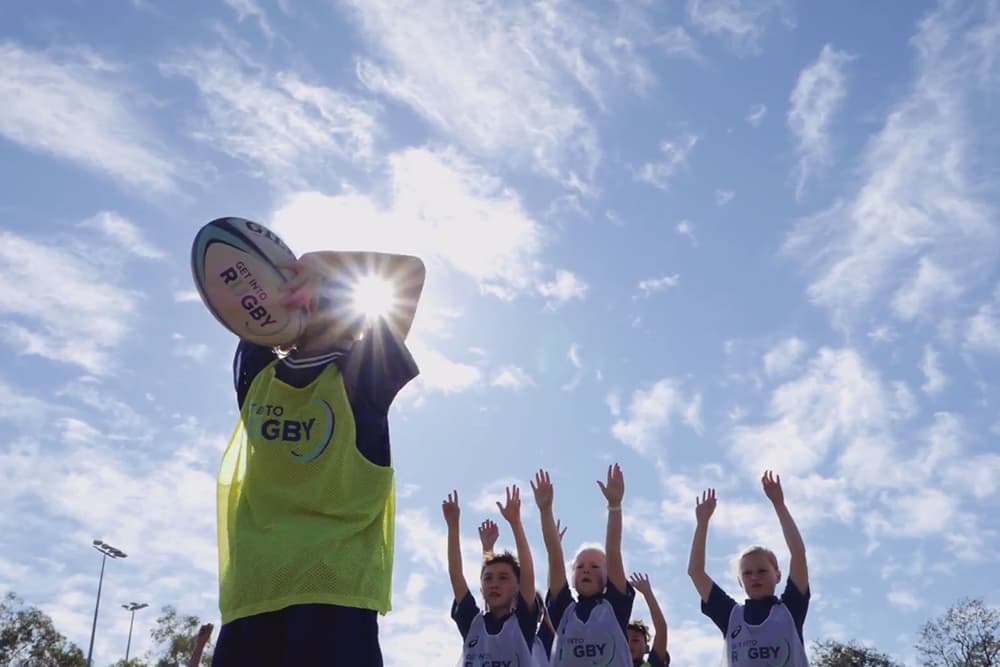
<point x="303" y="516"/>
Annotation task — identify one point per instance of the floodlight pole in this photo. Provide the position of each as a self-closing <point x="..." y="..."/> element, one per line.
<point x="132" y="607"/>
<point x="106" y="550"/>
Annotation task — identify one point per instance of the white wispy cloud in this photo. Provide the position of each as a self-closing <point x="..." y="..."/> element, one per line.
<point x="817" y="96"/>
<point x="439" y="373"/>
<point x="187" y="296"/>
<point x="675" y="41"/>
<point x="838" y="397"/>
<point x="982" y="330"/>
<point x="904" y="600"/>
<point x="650" y="412"/>
<point x="566" y="286"/>
<point x="741" y="22"/>
<point x="685" y="228"/>
<point x="291" y="126"/>
<point x="919" y="198"/>
<point x="930" y="286"/>
<point x="756" y="115"/>
<point x="249" y="9"/>
<point x="675" y="157"/>
<point x="651" y="286"/>
<point x="65" y="296"/>
<point x="934" y="377"/>
<point x="723" y="197"/>
<point x="507" y="80"/>
<point x="783" y="357"/>
<point x="71" y="105"/>
<point x="439" y="206"/>
<point x="512" y="377"/>
<point x="123" y="234"/>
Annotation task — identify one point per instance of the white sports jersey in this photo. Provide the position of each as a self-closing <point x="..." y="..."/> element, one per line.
<point x="773" y="643"/>
<point x="507" y="648"/>
<point x="600" y="642"/>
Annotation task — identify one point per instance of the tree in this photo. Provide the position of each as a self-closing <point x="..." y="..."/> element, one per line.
<point x="176" y="638"/>
<point x="837" y="654"/>
<point x="967" y="635"/>
<point x="28" y="638"/>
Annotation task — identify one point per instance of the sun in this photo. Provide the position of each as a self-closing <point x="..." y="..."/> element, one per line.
<point x="373" y="296"/>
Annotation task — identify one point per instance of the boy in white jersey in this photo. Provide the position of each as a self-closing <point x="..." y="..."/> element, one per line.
<point x="504" y="632"/>
<point x="638" y="633"/>
<point x="765" y="630"/>
<point x="590" y="630"/>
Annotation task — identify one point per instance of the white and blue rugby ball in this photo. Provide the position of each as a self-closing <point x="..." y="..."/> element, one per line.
<point x="235" y="266"/>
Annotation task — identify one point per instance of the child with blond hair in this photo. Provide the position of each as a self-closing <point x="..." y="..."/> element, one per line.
<point x="765" y="629"/>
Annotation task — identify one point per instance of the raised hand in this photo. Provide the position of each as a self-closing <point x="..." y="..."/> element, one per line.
<point x="542" y="488"/>
<point x="705" y="506"/>
<point x="640" y="582"/>
<point x="511" y="510"/>
<point x="489" y="532"/>
<point x="450" y="509"/>
<point x="614" y="488"/>
<point x="304" y="283"/>
<point x="561" y="529"/>
<point x="772" y="487"/>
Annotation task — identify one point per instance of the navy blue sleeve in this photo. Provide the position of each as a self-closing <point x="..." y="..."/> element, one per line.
<point x="557" y="606"/>
<point x="547" y="636"/>
<point x="719" y="607"/>
<point x="797" y="603"/>
<point x="527" y="620"/>
<point x="377" y="367"/>
<point x="653" y="660"/>
<point x="249" y="360"/>
<point x="621" y="603"/>
<point x="464" y="612"/>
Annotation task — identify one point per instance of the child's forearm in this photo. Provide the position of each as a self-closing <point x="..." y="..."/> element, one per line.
<point x="526" y="562"/>
<point x="791" y="532"/>
<point x="458" y="585"/>
<point x="659" y="625"/>
<point x="553" y="546"/>
<point x="613" y="548"/>
<point x="696" y="562"/>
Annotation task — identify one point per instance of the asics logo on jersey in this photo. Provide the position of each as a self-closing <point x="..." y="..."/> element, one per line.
<point x="736" y="633"/>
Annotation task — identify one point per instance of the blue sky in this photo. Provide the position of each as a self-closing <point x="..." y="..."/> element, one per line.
<point x="699" y="238"/>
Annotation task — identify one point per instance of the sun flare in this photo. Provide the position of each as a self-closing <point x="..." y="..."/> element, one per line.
<point x="373" y="296"/>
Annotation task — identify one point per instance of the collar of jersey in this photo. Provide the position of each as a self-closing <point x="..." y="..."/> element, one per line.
<point x="323" y="359"/>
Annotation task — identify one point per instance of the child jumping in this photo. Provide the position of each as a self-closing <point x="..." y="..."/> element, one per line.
<point x="590" y="629"/>
<point x="504" y="632"/>
<point x="305" y="491"/>
<point x="765" y="630"/>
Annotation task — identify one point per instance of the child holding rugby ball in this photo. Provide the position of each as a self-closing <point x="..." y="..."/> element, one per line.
<point x="305" y="490"/>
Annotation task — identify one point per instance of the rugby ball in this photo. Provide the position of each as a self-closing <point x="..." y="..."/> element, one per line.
<point x="235" y="266"/>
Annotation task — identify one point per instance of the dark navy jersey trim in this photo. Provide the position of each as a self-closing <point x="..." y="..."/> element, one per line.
<point x="316" y="360"/>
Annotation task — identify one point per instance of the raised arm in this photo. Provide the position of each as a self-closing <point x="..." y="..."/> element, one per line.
<point x="696" y="563"/>
<point x="614" y="491"/>
<point x="489" y="533"/>
<point x="542" y="488"/>
<point x="336" y="276"/>
<point x="798" y="569"/>
<point x="511" y="511"/>
<point x="640" y="582"/>
<point x="450" y="509"/>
